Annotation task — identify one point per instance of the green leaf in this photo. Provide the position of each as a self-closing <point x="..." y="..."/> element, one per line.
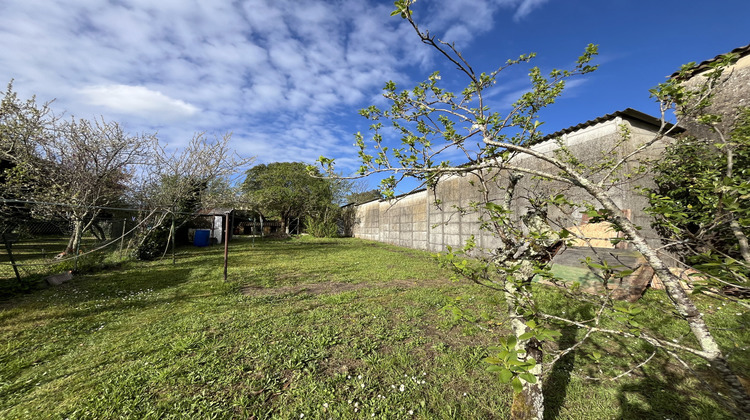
<point x="512" y="340"/>
<point x="623" y="273"/>
<point x="526" y="336"/>
<point x="591" y="213"/>
<point x="528" y="377"/>
<point x="505" y="376"/>
<point x="548" y="334"/>
<point x="517" y="385"/>
<point x="622" y="319"/>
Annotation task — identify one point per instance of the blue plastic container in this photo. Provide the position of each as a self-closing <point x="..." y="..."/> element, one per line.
<point x="202" y="237"/>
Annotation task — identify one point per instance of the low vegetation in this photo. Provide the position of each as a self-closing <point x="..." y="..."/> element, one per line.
<point x="315" y="328"/>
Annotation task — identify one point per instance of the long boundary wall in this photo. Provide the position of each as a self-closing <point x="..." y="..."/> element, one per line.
<point x="416" y="221"/>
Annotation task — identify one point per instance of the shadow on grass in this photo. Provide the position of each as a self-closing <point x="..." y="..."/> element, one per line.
<point x="136" y="272"/>
<point x="658" y="394"/>
<point x="556" y="385"/>
<point x="111" y="284"/>
<point x="658" y="390"/>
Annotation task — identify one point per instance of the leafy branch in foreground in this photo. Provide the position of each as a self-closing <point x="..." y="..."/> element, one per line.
<point x="434" y="124"/>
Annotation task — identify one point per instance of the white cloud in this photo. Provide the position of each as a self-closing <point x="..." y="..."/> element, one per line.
<point x="286" y="76"/>
<point x="573" y="87"/>
<point x="525" y="7"/>
<point x="138" y="101"/>
<point x="460" y="21"/>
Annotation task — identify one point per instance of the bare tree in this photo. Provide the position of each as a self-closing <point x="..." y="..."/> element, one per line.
<point x="203" y="174"/>
<point x="22" y="124"/>
<point x="86" y="165"/>
<point x="72" y="168"/>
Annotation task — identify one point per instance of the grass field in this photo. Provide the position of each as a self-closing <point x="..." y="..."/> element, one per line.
<point x="311" y="328"/>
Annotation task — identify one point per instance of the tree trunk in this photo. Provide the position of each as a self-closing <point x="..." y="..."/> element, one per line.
<point x="98" y="232"/>
<point x="529" y="403"/>
<point x="741" y="239"/>
<point x="75" y="237"/>
<point x="680" y="299"/>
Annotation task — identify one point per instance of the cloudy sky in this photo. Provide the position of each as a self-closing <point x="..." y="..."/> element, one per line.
<point x="287" y="77"/>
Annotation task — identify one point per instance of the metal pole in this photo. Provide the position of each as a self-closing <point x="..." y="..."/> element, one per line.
<point x="226" y="247"/>
<point x="12" y="260"/>
<point x="171" y="234"/>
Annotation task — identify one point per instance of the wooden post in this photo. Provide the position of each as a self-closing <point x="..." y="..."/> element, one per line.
<point x="226" y="246"/>
<point x="78" y="249"/>
<point x="122" y="237"/>
<point x="12" y="260"/>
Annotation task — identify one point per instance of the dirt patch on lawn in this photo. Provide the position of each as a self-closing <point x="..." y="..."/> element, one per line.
<point x="330" y="288"/>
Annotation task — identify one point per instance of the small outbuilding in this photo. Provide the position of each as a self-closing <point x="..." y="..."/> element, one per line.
<point x="216" y="223"/>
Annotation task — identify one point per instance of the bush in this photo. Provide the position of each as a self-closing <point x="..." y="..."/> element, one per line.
<point x="153" y="245"/>
<point x="323" y="227"/>
<point x="702" y="201"/>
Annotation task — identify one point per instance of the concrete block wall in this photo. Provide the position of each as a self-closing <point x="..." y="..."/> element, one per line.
<point x="434" y="219"/>
<point x="367" y="221"/>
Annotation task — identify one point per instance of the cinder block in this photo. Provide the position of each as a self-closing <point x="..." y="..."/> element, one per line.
<point x="452" y="229"/>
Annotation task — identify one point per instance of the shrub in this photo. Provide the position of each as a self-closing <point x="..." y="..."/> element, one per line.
<point x="322" y="227"/>
<point x="153" y="245"/>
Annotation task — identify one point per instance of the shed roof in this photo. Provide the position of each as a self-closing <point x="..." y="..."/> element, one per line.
<point x="214" y="212"/>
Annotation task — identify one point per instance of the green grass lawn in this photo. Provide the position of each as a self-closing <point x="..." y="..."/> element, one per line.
<point x="308" y="328"/>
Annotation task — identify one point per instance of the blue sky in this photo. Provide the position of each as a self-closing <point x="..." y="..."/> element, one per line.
<point x="287" y="77"/>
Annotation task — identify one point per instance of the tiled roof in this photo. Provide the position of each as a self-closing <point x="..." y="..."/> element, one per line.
<point x="628" y="113"/>
<point x="742" y="51"/>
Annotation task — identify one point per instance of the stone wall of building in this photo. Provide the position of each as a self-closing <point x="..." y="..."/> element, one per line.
<point x="730" y="94"/>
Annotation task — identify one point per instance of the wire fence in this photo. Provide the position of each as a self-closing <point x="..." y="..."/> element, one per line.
<point x="51" y="239"/>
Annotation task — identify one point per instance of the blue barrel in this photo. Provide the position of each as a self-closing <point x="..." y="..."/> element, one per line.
<point x="201" y="237"/>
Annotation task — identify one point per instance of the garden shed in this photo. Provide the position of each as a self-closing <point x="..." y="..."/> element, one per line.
<point x="216" y="223"/>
